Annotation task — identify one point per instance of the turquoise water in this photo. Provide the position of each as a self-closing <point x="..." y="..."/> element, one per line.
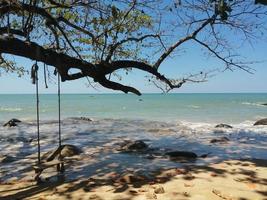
<point x="230" y="108"/>
<point x="165" y="122"/>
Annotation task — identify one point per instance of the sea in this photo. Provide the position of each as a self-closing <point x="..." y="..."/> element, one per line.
<point x="165" y="122"/>
<point x="201" y="108"/>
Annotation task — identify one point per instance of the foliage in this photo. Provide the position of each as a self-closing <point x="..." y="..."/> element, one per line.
<point x="100" y="37"/>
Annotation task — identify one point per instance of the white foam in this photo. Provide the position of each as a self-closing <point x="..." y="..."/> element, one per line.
<point x="254" y="104"/>
<point x="10" y="109"/>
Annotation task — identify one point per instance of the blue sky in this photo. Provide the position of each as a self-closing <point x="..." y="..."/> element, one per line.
<point x="228" y="81"/>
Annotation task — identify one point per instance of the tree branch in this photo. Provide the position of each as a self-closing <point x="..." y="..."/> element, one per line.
<point x="181" y="41"/>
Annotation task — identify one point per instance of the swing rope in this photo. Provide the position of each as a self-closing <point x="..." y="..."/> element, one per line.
<point x="59" y="112"/>
<point x="34" y="76"/>
<point x="46" y="86"/>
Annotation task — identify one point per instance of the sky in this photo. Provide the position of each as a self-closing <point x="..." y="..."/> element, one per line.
<point x="237" y="81"/>
<point x="192" y="61"/>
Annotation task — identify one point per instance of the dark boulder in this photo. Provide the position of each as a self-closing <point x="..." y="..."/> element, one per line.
<point x="223" y="126"/>
<point x="66" y="150"/>
<point x="181" y="155"/>
<point x="220" y="140"/>
<point x="12" y="122"/>
<point x="7" y="159"/>
<point x="137" y="145"/>
<point x="261" y="122"/>
<point x="86" y="119"/>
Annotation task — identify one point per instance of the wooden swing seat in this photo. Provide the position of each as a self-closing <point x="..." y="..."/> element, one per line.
<point x="39" y="168"/>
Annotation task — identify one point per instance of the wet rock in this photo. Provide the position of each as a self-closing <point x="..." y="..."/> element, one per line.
<point x="220" y="140"/>
<point x="261" y="122"/>
<point x="159" y="189"/>
<point x="223" y="126"/>
<point x="181" y="155"/>
<point x="204" y="155"/>
<point x="264" y="104"/>
<point x="137" y="145"/>
<point x="66" y="150"/>
<point x="12" y="123"/>
<point x="86" y="119"/>
<point x="7" y="159"/>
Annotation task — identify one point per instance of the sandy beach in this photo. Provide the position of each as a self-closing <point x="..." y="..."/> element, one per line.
<point x="229" y="180"/>
<point x="232" y="169"/>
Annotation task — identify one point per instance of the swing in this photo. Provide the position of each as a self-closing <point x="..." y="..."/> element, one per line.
<point x="41" y="166"/>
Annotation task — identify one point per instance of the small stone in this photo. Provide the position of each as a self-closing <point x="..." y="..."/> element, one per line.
<point x="186" y="194"/>
<point x="188" y="184"/>
<point x="142" y="190"/>
<point x="181" y="154"/>
<point x="213" y="174"/>
<point x="133" y="191"/>
<point x="159" y="190"/>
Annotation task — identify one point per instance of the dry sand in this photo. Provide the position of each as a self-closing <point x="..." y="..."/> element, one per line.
<point x="228" y="180"/>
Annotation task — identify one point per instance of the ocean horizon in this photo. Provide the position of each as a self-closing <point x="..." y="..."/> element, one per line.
<point x="192" y="107"/>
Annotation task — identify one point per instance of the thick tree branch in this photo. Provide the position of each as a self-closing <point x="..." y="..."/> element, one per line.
<point x="6" y="30"/>
<point x="117" y="86"/>
<point x="63" y="63"/>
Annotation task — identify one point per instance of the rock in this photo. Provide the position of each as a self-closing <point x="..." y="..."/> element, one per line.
<point x="136" y="145"/>
<point x="12" y="122"/>
<point x="159" y="190"/>
<point x="66" y="150"/>
<point x="264" y="104"/>
<point x="86" y="119"/>
<point x="204" y="155"/>
<point x="261" y="122"/>
<point x="132" y="178"/>
<point x="223" y="126"/>
<point x="7" y="159"/>
<point x="181" y="154"/>
<point x="220" y="140"/>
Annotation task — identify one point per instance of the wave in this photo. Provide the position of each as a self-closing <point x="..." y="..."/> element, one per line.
<point x="193" y="106"/>
<point x="10" y="109"/>
<point x="253" y="104"/>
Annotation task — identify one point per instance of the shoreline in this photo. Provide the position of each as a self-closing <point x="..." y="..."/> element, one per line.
<point x="103" y="172"/>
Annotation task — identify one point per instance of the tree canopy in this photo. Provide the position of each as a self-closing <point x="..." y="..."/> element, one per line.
<point x="98" y="38"/>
